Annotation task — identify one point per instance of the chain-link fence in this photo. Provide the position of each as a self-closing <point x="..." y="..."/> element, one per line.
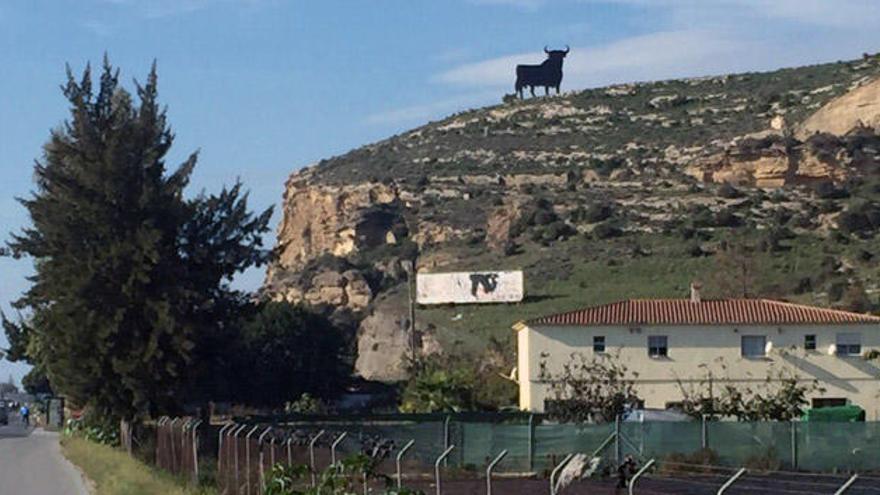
<point x="177" y="446"/>
<point x="534" y="444"/>
<point x="412" y="447"/>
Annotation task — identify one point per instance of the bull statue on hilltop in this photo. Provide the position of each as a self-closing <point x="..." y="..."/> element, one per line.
<point x="548" y="74"/>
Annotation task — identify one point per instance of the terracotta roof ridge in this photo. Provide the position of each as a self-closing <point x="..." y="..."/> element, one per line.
<point x="818" y="308"/>
<point x="707" y="311"/>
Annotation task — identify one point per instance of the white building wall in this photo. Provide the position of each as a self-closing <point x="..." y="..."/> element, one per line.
<point x="696" y="350"/>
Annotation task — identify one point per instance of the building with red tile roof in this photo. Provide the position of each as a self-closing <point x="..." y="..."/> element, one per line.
<point x="671" y="344"/>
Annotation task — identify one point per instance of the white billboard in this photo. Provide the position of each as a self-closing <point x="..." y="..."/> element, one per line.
<point x="469" y="287"/>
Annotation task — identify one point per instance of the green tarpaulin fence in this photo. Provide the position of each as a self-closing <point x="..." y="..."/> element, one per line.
<point x="539" y="444"/>
<point x="837" y="413"/>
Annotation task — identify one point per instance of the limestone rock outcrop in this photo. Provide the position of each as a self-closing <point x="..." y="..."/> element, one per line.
<point x="320" y="219"/>
<point x="501" y="222"/>
<point x="772" y="169"/>
<point x="859" y="107"/>
<point x="384" y="341"/>
<point x="345" y="290"/>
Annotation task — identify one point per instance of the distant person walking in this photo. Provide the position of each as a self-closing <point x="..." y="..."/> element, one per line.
<point x="25" y="415"/>
<point x="625" y="470"/>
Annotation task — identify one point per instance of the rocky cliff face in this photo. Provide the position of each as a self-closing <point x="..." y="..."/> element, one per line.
<point x="338" y="220"/>
<point x="483" y="185"/>
<point x="860" y="106"/>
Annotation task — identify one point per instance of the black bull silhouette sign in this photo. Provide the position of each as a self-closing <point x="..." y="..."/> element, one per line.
<point x="489" y="281"/>
<point x="469" y="287"/>
<point x="548" y="74"/>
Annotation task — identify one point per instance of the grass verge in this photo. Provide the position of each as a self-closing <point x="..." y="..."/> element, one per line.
<point x="113" y="472"/>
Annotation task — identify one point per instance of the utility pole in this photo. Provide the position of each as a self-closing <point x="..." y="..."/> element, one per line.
<point x="410" y="269"/>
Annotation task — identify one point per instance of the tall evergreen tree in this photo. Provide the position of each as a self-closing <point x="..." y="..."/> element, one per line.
<point x="130" y="275"/>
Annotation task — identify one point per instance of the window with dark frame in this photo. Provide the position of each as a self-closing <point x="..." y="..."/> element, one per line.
<point x="753" y="346"/>
<point x="810" y="342"/>
<point x="599" y="343"/>
<point x="849" y="344"/>
<point x="657" y="346"/>
<point x="821" y="402"/>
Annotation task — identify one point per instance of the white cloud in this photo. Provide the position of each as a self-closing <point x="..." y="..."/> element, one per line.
<point x="651" y="56"/>
<point x="427" y="111"/>
<point x="839" y="13"/>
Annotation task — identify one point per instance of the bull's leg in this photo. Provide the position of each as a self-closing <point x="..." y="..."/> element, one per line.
<point x="546" y="90"/>
<point x="532" y="90"/>
<point x="557" y="89"/>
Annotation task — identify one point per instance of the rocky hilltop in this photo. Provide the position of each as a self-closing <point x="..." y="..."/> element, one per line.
<point x="574" y="188"/>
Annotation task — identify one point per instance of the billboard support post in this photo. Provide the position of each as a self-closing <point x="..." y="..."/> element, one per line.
<point x="410" y="268"/>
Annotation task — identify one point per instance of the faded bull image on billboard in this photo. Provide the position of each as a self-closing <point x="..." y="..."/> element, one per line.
<point x="469" y="287"/>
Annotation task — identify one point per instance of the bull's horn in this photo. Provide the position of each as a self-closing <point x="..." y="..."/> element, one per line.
<point x="567" y="49"/>
<point x="546" y="50"/>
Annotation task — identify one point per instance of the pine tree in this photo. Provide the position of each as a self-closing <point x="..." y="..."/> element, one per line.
<point x="129" y="274"/>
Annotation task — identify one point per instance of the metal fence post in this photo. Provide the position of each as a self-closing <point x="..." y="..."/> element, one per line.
<point x="846" y="485"/>
<point x="704" y="434"/>
<point x="195" y="447"/>
<point x="220" y="448"/>
<point x="160" y="440"/>
<point x="489" y="471"/>
<point x="223" y="473"/>
<point x="235" y="437"/>
<point x="272" y="451"/>
<point x="437" y="467"/>
<point x="312" y="457"/>
<point x="555" y="472"/>
<point x="262" y="469"/>
<point x="333" y="447"/>
<point x="289" y="452"/>
<point x="639" y="473"/>
<point x="794" y="452"/>
<point x="446" y="436"/>
<point x="183" y="444"/>
<point x="399" y="457"/>
<point x="531" y="452"/>
<point x="617" y="450"/>
<point x="247" y="459"/>
<point x="170" y="443"/>
<point x="731" y="481"/>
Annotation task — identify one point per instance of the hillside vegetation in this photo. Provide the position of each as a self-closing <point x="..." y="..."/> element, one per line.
<point x="627" y="191"/>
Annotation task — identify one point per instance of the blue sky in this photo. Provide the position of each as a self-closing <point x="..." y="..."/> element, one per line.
<point x="264" y="87"/>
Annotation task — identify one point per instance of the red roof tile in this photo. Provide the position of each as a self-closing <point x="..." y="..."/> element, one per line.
<point x="707" y="312"/>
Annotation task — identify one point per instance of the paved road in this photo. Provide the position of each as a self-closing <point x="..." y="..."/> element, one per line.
<point x="31" y="463"/>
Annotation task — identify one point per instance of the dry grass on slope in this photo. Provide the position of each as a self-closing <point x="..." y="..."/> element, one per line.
<point x="113" y="472"/>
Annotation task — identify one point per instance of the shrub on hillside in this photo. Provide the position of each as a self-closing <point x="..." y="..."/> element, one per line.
<point x="862" y="217"/>
<point x="695" y="251"/>
<point x="544" y="217"/>
<point x="607" y="230"/>
<point x="827" y="190"/>
<point x="597" y="212"/>
<point x="727" y="218"/>
<point x="728" y="191"/>
<point x="556" y="231"/>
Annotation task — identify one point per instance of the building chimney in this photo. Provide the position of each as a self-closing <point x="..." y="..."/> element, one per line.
<point x="695" y="292"/>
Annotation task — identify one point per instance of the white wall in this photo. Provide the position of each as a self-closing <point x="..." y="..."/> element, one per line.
<point x="696" y="350"/>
